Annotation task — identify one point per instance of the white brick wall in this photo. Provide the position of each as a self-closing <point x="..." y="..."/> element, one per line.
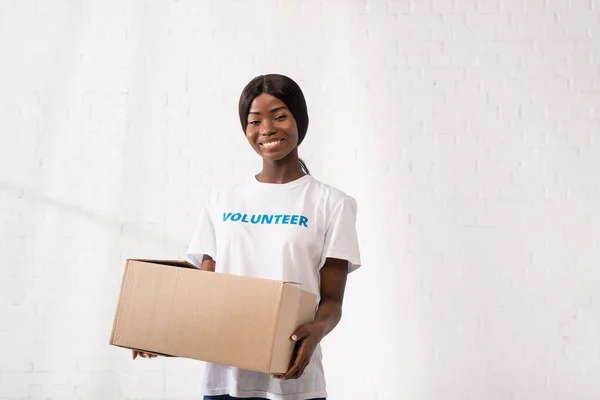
<point x="468" y="130"/>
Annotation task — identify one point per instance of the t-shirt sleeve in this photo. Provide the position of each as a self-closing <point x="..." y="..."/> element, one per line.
<point x="341" y="239"/>
<point x="203" y="239"/>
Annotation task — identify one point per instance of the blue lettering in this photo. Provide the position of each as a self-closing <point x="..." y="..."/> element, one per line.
<point x="286" y="219"/>
<point x="303" y="221"/>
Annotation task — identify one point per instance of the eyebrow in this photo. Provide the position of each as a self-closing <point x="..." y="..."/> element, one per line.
<point x="273" y="110"/>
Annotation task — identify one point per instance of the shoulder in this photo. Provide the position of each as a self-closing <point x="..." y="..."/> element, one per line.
<point x="332" y="196"/>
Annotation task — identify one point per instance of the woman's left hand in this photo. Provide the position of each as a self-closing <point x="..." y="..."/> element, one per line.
<point x="307" y="338"/>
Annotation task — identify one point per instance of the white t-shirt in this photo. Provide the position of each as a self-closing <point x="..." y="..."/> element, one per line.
<point x="275" y="231"/>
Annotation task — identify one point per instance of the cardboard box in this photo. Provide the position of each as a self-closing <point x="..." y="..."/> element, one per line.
<point x="172" y="308"/>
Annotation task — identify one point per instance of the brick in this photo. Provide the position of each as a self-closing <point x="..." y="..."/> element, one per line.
<point x="50" y="391"/>
<point x="98" y="390"/>
<point x="14" y="362"/>
<point x="10" y="391"/>
<point x="511" y="6"/>
<point x="466" y="33"/>
<point x="582" y="7"/>
<point x="489" y="7"/>
<point x="535" y="6"/>
<point x="398" y="7"/>
<point x="443" y="7"/>
<point x="465" y="6"/>
<point x="421" y="6"/>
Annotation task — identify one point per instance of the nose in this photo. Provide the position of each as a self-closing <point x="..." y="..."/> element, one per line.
<point x="266" y="128"/>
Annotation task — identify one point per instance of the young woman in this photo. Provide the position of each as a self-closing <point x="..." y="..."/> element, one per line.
<point x="280" y="224"/>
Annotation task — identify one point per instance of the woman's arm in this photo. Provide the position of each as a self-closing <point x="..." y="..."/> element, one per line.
<point x="208" y="264"/>
<point x="333" y="283"/>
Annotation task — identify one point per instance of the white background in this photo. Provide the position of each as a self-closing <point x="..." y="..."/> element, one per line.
<point x="467" y="130"/>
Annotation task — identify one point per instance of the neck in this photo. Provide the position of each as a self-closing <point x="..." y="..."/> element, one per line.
<point x="281" y="171"/>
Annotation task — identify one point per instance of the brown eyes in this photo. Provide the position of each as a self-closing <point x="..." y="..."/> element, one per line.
<point x="256" y="122"/>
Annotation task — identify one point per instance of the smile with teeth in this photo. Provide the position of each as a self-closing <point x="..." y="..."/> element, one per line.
<point x="271" y="144"/>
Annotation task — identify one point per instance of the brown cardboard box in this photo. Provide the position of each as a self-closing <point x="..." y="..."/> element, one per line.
<point x="172" y="308"/>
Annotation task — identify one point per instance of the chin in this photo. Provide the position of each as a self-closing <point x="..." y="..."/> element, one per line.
<point x="273" y="157"/>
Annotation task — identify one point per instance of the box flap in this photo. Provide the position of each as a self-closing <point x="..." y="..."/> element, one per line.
<point x="172" y="263"/>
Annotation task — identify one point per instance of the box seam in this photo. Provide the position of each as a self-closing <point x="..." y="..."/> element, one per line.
<point x="119" y="302"/>
<point x="276" y="327"/>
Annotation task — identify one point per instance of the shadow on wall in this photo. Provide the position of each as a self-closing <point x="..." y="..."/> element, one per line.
<point x="124" y="229"/>
<point x="52" y="310"/>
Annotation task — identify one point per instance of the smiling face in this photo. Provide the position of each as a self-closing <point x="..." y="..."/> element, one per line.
<point x="271" y="129"/>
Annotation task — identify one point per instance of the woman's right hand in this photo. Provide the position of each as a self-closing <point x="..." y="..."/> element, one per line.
<point x="136" y="353"/>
